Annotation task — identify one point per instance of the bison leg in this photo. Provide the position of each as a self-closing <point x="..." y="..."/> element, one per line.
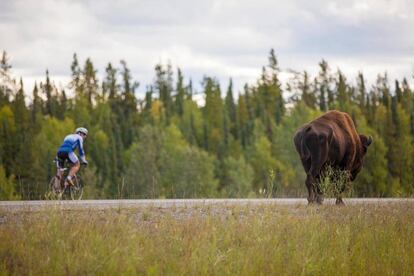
<point x="319" y="198"/>
<point x="310" y="184"/>
<point x="318" y="192"/>
<point x="339" y="201"/>
<point x="318" y="145"/>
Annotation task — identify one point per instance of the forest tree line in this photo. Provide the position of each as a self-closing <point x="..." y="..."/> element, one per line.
<point x="168" y="146"/>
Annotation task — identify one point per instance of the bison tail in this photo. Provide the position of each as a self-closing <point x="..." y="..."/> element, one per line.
<point x="300" y="144"/>
<point x="318" y="151"/>
<point x="306" y="154"/>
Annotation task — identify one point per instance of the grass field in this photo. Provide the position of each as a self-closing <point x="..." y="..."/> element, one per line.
<point x="259" y="240"/>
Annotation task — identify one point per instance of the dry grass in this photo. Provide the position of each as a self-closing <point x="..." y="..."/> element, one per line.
<point x="301" y="240"/>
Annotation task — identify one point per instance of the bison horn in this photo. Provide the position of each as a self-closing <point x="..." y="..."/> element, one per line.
<point x="369" y="140"/>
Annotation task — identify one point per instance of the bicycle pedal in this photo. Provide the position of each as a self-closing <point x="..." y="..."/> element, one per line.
<point x="70" y="182"/>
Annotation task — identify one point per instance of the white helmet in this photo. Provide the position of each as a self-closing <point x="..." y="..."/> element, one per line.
<point x="82" y="130"/>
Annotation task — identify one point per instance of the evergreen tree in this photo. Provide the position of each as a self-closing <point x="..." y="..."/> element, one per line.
<point x="373" y="178"/>
<point x="213" y="114"/>
<point x="22" y="137"/>
<point x="164" y="87"/>
<point x="4" y="63"/>
<point x="5" y="80"/>
<point x="191" y="124"/>
<point x="308" y="96"/>
<point x="268" y="97"/>
<point x="129" y="117"/>
<point x="275" y="89"/>
<point x="407" y="103"/>
<point x="326" y="96"/>
<point x="343" y="97"/>
<point x="230" y="108"/>
<point x="7" y="134"/>
<point x="63" y="105"/>
<point x="51" y="104"/>
<point x="401" y="149"/>
<point x="76" y="73"/>
<point x="383" y="90"/>
<point x="243" y="121"/>
<point x="362" y="93"/>
<point x="190" y="90"/>
<point x="110" y="86"/>
<point x="146" y="112"/>
<point x="36" y="108"/>
<point x="407" y="97"/>
<point x="398" y="91"/>
<point x="89" y="83"/>
<point x="181" y="94"/>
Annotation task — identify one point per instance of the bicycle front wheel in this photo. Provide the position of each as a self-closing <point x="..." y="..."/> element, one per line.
<point x="76" y="191"/>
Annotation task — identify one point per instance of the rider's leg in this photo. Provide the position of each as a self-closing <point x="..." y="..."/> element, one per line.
<point x="74" y="169"/>
<point x="59" y="173"/>
<point x="61" y="157"/>
<point x="57" y="184"/>
<point x="72" y="172"/>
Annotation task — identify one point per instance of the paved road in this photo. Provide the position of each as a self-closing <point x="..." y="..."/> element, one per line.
<point x="11" y="206"/>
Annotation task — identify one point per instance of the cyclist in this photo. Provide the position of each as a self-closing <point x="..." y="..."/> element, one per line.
<point x="66" y="152"/>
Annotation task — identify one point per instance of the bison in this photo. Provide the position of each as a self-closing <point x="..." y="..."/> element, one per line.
<point x="330" y="140"/>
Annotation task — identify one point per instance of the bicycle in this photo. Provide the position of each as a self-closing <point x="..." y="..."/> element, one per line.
<point x="57" y="189"/>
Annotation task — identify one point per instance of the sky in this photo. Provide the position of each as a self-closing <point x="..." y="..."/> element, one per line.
<point x="218" y="38"/>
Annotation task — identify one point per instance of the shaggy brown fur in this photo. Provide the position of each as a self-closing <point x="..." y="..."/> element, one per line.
<point x="330" y="139"/>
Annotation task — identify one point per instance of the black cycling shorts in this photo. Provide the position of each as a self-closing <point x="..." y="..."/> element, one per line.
<point x="69" y="156"/>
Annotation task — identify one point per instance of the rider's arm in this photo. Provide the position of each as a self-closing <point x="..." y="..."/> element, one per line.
<point x="81" y="151"/>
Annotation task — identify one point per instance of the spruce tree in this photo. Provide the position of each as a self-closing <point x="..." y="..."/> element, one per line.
<point x="213" y="113"/>
<point x="23" y="135"/>
<point x="243" y="121"/>
<point x="5" y="80"/>
<point x="110" y="86"/>
<point x="407" y="103"/>
<point x="89" y="83"/>
<point x="7" y="138"/>
<point x="180" y="93"/>
<point x="275" y="90"/>
<point x="326" y="97"/>
<point x="401" y="149"/>
<point x="341" y="88"/>
<point x="128" y="106"/>
<point x="36" y="107"/>
<point x="383" y="90"/>
<point x="164" y="87"/>
<point x="362" y="93"/>
<point x="76" y="72"/>
<point x="308" y="96"/>
<point x="230" y="107"/>
<point x="51" y="104"/>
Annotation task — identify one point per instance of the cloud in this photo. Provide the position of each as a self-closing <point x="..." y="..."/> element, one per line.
<point x="221" y="38"/>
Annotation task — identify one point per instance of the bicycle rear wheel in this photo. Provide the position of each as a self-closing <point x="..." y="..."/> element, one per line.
<point x="55" y="189"/>
<point x="76" y="191"/>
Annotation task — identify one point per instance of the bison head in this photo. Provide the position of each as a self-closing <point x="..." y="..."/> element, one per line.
<point x="365" y="141"/>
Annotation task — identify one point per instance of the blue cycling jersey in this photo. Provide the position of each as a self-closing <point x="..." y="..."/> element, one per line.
<point x="71" y="142"/>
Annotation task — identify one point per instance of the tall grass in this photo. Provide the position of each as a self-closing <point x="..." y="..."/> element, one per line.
<point x="301" y="240"/>
<point x="335" y="182"/>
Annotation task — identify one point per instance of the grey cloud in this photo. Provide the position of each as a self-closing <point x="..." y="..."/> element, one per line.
<point x="222" y="38"/>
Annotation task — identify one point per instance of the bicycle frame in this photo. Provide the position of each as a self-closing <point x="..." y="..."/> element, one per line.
<point x="75" y="191"/>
